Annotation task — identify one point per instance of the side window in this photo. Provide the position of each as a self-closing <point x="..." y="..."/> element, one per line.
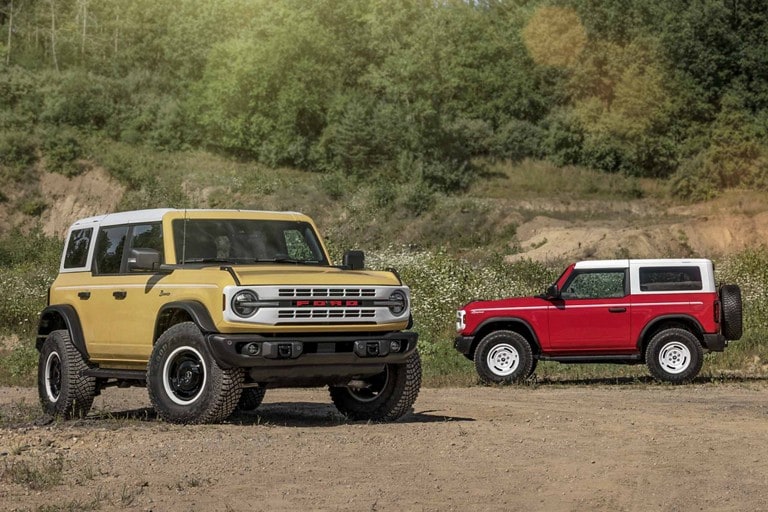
<point x="663" y="279"/>
<point x="109" y="250"/>
<point x="596" y="285"/>
<point x="77" y="248"/>
<point x="148" y="236"/>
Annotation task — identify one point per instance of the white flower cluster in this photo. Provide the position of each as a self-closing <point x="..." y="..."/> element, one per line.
<point x="441" y="283"/>
<point x="23" y="297"/>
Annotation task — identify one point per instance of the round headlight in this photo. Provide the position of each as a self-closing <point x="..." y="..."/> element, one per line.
<point x="245" y="303"/>
<point x="398" y="303"/>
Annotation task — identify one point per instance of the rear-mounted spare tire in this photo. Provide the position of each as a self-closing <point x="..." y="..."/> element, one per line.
<point x="730" y="302"/>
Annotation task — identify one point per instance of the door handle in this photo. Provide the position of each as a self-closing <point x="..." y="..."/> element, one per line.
<point x="119" y="295"/>
<point x="617" y="310"/>
<point x="84" y="295"/>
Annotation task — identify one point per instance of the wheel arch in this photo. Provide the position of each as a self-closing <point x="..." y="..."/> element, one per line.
<point x="682" y="321"/>
<point x="514" y="324"/>
<point x="61" y="316"/>
<point x="173" y="313"/>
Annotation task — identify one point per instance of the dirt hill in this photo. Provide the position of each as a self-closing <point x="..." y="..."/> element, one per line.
<point x="547" y="229"/>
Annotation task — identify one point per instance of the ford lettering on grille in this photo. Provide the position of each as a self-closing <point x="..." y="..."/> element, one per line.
<point x="326" y="303"/>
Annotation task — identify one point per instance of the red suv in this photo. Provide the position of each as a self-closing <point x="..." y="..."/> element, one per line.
<point x="666" y="313"/>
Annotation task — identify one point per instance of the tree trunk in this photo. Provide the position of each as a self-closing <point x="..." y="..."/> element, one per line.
<point x="53" y="36"/>
<point x="10" y="31"/>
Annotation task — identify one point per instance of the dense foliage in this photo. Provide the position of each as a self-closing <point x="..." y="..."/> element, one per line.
<point x="397" y="90"/>
<point x="439" y="284"/>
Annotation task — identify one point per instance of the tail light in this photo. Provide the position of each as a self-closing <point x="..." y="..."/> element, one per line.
<point x="717" y="311"/>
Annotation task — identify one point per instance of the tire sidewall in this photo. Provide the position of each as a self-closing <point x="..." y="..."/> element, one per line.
<point x="76" y="392"/>
<point x="181" y="339"/>
<point x="666" y="340"/>
<point x="403" y="382"/>
<point x="498" y="339"/>
<point x="52" y="347"/>
<point x="732" y="312"/>
<point x="251" y="398"/>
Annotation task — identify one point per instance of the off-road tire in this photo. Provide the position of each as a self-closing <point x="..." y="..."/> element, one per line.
<point x="390" y="397"/>
<point x="251" y="398"/>
<point x="185" y="383"/>
<point x="63" y="391"/>
<point x="730" y="300"/>
<point x="674" y="355"/>
<point x="503" y="357"/>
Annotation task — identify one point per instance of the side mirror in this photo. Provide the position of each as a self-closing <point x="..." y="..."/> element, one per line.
<point x="553" y="292"/>
<point x="354" y="260"/>
<point x="143" y="260"/>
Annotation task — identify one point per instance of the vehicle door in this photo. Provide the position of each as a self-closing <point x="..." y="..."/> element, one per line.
<point x="123" y="305"/>
<point x="592" y="312"/>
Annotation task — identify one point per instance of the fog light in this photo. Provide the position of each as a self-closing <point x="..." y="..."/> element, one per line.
<point x="252" y="349"/>
<point x="394" y="346"/>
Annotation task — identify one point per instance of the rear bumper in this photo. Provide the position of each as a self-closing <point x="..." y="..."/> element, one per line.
<point x="370" y="349"/>
<point x="715" y="342"/>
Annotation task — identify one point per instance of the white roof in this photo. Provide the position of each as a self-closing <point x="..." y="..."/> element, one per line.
<point x="151" y="215"/>
<point x="625" y="263"/>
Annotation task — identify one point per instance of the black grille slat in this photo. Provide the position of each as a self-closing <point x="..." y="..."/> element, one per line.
<point x="298" y="314"/>
<point x="314" y="293"/>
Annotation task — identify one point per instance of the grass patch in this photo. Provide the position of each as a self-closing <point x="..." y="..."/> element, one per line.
<point x="37" y="475"/>
<point x="537" y="178"/>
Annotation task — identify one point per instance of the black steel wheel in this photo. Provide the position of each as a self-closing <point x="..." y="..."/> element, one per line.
<point x="185" y="383"/>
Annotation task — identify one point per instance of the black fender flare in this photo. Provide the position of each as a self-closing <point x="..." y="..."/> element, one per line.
<point x="688" y="319"/>
<point x="61" y="316"/>
<point x="507" y="320"/>
<point x="196" y="311"/>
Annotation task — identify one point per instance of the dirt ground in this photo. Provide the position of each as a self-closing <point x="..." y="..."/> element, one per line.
<point x="570" y="446"/>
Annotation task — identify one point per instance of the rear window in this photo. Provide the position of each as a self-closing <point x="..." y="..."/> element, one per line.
<point x="664" y="279"/>
<point x="77" y="248"/>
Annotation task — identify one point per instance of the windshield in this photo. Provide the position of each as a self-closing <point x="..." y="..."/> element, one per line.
<point x="239" y="241"/>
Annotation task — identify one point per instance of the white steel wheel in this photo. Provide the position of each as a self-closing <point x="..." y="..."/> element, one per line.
<point x="674" y="357"/>
<point x="503" y="359"/>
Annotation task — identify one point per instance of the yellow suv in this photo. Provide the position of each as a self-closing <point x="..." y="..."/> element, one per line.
<point x="209" y="308"/>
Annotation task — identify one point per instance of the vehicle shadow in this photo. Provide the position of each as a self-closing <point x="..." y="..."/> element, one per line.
<point x="283" y="414"/>
<point x="313" y="414"/>
<point x="642" y="380"/>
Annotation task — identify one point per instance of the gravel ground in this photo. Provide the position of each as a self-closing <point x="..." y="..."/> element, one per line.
<point x="570" y="446"/>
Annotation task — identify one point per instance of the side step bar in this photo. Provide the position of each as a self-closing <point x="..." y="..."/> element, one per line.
<point x="105" y="373"/>
<point x="614" y="359"/>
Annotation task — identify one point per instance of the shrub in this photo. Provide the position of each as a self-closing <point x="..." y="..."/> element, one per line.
<point x="420" y="199"/>
<point x="518" y="139"/>
<point x="334" y="185"/>
<point x="18" y="149"/>
<point x="61" y="149"/>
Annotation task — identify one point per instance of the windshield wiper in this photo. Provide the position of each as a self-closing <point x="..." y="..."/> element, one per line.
<point x="207" y="260"/>
<point x="286" y="259"/>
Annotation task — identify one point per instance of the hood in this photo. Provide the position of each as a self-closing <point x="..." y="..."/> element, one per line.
<point x="311" y="275"/>
<point x="512" y="302"/>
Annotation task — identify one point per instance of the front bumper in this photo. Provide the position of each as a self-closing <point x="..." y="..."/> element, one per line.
<point x="231" y="350"/>
<point x="463" y="344"/>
